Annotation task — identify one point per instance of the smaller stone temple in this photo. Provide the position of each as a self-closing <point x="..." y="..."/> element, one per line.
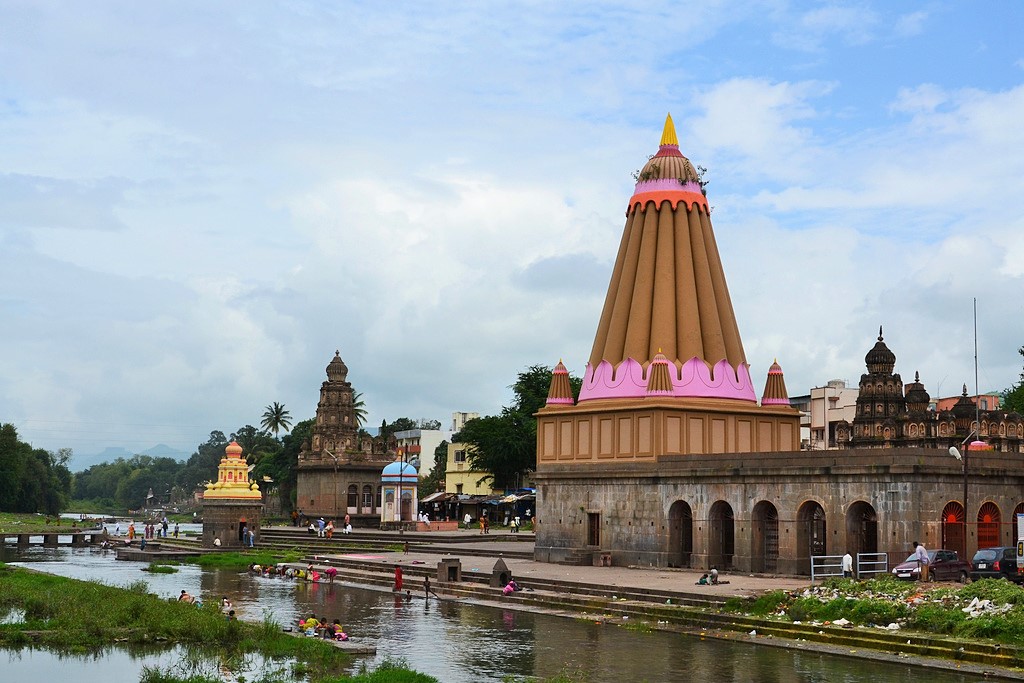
<point x="232" y="504"/>
<point x="400" y="482"/>
<point x="339" y="468"/>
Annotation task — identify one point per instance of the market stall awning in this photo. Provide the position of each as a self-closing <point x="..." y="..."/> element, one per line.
<point x="437" y="497"/>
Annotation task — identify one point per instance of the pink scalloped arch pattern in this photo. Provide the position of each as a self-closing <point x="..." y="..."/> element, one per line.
<point x="694" y="380"/>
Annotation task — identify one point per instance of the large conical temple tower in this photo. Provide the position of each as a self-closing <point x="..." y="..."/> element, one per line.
<point x="666" y="458"/>
<point x="667" y="374"/>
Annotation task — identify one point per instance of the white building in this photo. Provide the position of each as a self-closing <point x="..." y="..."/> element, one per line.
<point x="421" y="443"/>
<point x="828" y="405"/>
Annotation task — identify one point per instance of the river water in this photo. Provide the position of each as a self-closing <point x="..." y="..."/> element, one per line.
<point x="456" y="642"/>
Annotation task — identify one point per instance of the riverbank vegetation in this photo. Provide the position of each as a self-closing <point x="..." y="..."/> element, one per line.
<point x="79" y="616"/>
<point x="983" y="609"/>
<point x="240" y="561"/>
<point x="34" y="480"/>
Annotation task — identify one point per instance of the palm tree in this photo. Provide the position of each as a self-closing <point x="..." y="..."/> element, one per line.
<point x="276" y="418"/>
<point x="359" y="410"/>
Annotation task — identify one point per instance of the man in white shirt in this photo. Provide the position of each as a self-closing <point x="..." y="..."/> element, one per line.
<point x="921" y="553"/>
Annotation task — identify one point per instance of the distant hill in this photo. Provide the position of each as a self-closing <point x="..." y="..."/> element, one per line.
<point x="83" y="461"/>
<point x="164" y="451"/>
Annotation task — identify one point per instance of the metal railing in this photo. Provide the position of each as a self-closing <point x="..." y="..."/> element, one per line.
<point x="872" y="564"/>
<point x="826" y="566"/>
<point x="867" y="565"/>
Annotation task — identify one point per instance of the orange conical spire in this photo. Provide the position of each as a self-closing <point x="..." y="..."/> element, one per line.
<point x="668" y="290"/>
<point x="775" y="387"/>
<point x="560" y="391"/>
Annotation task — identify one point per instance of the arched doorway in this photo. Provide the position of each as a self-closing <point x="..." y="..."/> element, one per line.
<point x="764" y="550"/>
<point x="722" y="535"/>
<point x="861" y="528"/>
<point x="953" y="536"/>
<point x="406" y="510"/>
<point x="810" y="534"/>
<point x="680" y="543"/>
<point x="988" y="525"/>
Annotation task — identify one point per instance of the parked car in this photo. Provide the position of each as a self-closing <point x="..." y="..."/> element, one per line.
<point x="943" y="565"/>
<point x="995" y="563"/>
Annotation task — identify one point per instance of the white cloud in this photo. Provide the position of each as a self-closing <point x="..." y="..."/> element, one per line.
<point x="198" y="206"/>
<point x="852" y="24"/>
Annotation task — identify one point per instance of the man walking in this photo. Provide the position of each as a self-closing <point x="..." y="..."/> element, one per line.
<point x="921" y="553"/>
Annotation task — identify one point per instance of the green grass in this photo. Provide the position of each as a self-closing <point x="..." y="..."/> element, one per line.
<point x="242" y="560"/>
<point x="886" y="600"/>
<point x="31" y="523"/>
<point x="67" y="614"/>
<point x="156" y="568"/>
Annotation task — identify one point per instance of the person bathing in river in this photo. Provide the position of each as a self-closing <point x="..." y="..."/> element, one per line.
<point x="339" y="631"/>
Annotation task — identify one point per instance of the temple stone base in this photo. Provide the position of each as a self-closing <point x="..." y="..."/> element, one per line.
<point x="769" y="512"/>
<point x="224" y="519"/>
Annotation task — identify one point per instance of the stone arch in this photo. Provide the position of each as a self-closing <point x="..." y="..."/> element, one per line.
<point x="680" y="543"/>
<point x="810" y="534"/>
<point x="764" y="549"/>
<point x="988" y="525"/>
<point x="861" y="528"/>
<point x="953" y="536"/>
<point x="721" y="535"/>
<point x="366" y="504"/>
<point x="353" y="498"/>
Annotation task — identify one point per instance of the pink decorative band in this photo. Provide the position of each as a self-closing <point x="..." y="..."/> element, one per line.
<point x="695" y="379"/>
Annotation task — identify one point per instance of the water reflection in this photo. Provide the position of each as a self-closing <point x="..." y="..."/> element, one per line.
<point x="457" y="642"/>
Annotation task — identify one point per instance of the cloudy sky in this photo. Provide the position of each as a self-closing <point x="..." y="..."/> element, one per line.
<point x="200" y="202"/>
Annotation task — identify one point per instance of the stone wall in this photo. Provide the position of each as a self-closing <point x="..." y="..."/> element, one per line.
<point x="222" y="519"/>
<point x="871" y="501"/>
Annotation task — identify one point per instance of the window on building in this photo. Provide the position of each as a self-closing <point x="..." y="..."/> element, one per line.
<point x="353" y="496"/>
<point x="984" y="404"/>
<point x="460" y="456"/>
<point x="368" y="497"/>
<point x="458" y="489"/>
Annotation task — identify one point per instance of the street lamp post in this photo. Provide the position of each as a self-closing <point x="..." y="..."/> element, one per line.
<point x="961" y="455"/>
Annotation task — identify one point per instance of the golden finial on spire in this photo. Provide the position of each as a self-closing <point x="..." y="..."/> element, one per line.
<point x="668" y="136"/>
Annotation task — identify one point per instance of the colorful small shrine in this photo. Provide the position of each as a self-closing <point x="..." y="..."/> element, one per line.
<point x="400" y="482"/>
<point x="232" y="504"/>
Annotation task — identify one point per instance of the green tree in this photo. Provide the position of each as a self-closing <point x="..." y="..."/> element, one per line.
<point x="1013" y="398"/>
<point x="402" y="424"/>
<point x="202" y="465"/>
<point x="276" y="418"/>
<point x="281" y="466"/>
<point x="33" y="480"/>
<point x="359" y="410"/>
<point x="255" y="444"/>
<point x="505" y="445"/>
<point x="13" y="458"/>
<point x="434" y="481"/>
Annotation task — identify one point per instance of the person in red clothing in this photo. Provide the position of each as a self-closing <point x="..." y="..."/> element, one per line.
<point x="398" y="579"/>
